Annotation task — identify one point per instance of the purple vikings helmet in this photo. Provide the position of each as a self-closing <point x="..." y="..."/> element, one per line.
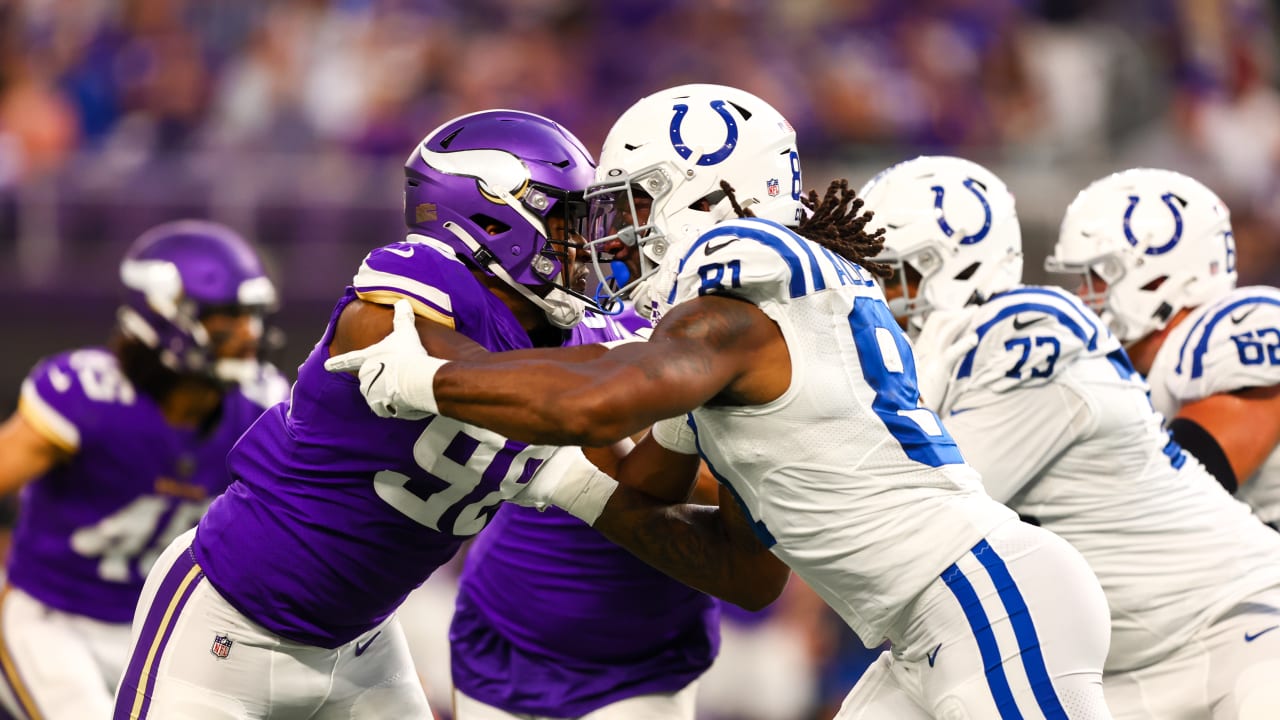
<point x="176" y="273"/>
<point x="496" y="186"/>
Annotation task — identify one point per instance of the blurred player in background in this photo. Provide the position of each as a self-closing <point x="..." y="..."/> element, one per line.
<point x="777" y="361"/>
<point x="1045" y="404"/>
<point x="282" y="602"/>
<point x="119" y="450"/>
<point x="1159" y="263"/>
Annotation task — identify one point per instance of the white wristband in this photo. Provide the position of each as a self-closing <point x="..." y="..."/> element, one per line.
<point x="399" y="389"/>
<point x="417" y="385"/>
<point x="581" y="489"/>
<point x="587" y="505"/>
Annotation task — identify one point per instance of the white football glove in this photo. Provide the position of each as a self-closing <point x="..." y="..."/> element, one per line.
<point x="396" y="373"/>
<point x="943" y="341"/>
<point x="567" y="480"/>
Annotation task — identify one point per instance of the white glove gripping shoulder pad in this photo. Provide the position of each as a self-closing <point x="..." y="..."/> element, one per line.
<point x="676" y="435"/>
<point x="397" y="376"/>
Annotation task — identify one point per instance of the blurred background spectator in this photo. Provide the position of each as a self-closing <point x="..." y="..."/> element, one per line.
<point x="289" y="120"/>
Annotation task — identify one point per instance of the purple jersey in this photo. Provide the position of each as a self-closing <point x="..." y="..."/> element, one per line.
<point x="90" y="528"/>
<point x="553" y="619"/>
<point x="336" y="514"/>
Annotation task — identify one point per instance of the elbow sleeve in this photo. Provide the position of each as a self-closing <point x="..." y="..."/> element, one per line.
<point x="1196" y="440"/>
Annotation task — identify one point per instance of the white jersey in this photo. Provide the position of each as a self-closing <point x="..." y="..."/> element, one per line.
<point x="1049" y="409"/>
<point x="852" y="484"/>
<point x="1224" y="346"/>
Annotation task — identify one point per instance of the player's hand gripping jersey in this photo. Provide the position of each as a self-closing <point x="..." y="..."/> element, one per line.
<point x="399" y="497"/>
<point x="1048" y="408"/>
<point x="1228" y="345"/>
<point x="91" y="528"/>
<point x="868" y="478"/>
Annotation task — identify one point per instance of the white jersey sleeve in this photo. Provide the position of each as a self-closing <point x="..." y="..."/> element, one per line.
<point x="1232" y="345"/>
<point x="1025" y="336"/>
<point x="1009" y="407"/>
<point x="757" y="261"/>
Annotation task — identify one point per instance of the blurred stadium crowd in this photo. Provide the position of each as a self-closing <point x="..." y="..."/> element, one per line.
<point x="289" y="119"/>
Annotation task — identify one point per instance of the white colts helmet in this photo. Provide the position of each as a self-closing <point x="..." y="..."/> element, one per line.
<point x="1159" y="240"/>
<point x="675" y="147"/>
<point x="952" y="221"/>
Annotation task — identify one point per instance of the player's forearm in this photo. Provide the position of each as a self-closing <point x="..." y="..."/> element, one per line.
<point x="538" y="402"/>
<point x="691" y="544"/>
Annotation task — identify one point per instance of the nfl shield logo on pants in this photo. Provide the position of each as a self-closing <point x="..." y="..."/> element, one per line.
<point x="221" y="646"/>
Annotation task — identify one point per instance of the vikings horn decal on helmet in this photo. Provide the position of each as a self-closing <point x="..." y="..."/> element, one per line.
<point x="503" y="188"/>
<point x="177" y="272"/>
<point x="1157" y="240"/>
<point x="658" y="184"/>
<point x="953" y="222"/>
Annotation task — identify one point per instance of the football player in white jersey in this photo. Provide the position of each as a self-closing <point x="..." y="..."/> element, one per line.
<point x="1159" y="263"/>
<point x="777" y="360"/>
<point x="1044" y="403"/>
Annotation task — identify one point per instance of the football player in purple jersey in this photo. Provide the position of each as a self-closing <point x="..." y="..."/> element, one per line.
<point x="119" y="450"/>
<point x="281" y="603"/>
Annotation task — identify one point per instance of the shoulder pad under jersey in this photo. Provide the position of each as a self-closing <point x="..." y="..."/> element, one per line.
<point x="760" y="261"/>
<point x="73" y="395"/>
<point x="423" y="270"/>
<point x="1233" y="344"/>
<point x="1027" y="335"/>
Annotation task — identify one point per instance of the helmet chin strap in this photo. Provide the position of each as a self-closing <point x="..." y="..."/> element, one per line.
<point x="562" y="309"/>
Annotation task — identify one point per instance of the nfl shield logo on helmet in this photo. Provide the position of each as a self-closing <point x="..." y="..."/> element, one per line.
<point x="221" y="646"/>
<point x="772" y="184"/>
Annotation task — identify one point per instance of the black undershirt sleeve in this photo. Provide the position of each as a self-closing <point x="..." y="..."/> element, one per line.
<point x="1197" y="441"/>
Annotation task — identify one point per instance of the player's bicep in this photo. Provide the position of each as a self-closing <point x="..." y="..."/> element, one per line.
<point x="25" y="453"/>
<point x="1245" y="424"/>
<point x="364" y="323"/>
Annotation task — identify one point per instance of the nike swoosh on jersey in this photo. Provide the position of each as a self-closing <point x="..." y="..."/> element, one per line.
<point x="957" y="411"/>
<point x="1254" y="636"/>
<point x="711" y="248"/>
<point x="361" y="647"/>
<point x="1237" y="319"/>
<point x="402" y="252"/>
<point x="934" y="654"/>
<point x="1017" y="325"/>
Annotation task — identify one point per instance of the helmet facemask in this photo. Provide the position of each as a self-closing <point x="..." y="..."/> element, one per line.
<point x="503" y="189"/>
<point x="670" y="152"/>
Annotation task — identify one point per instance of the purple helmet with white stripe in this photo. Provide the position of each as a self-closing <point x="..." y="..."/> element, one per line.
<point x="504" y="189"/>
<point x="177" y="273"/>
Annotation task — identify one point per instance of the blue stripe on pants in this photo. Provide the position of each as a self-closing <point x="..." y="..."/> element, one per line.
<point x="1023" y="629"/>
<point x="981" y="626"/>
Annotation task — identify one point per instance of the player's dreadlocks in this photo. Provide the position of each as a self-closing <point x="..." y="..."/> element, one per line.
<point x="836" y="222"/>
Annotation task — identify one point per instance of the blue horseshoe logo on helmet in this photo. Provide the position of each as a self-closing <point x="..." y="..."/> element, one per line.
<point x="1168" y="199"/>
<point x="730" y="141"/>
<point x="939" y="191"/>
